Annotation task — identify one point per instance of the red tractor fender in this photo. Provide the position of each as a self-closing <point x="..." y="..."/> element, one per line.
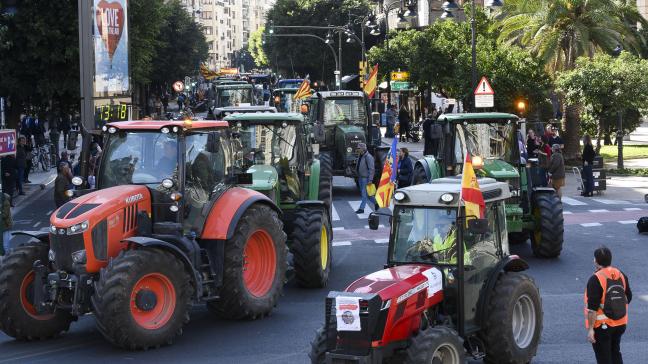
<point x="228" y="210"/>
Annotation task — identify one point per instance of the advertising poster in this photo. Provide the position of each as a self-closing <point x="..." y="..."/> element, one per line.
<point x="7" y="142"/>
<point x="111" y="46"/>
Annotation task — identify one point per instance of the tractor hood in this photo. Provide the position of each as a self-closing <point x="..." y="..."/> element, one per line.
<point x="498" y="169"/>
<point x="348" y="128"/>
<point x="264" y="178"/>
<point x="399" y="281"/>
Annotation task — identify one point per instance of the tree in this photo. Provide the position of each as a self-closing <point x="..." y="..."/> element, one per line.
<point x="255" y="47"/>
<point x="621" y="86"/>
<point x="560" y="31"/>
<point x="146" y="19"/>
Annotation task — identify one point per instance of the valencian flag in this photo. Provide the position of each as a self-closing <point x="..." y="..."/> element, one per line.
<point x="303" y="91"/>
<point x="470" y="192"/>
<point x="387" y="184"/>
<point x="207" y="73"/>
<point x="371" y="84"/>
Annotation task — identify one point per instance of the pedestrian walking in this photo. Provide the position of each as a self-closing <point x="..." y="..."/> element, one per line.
<point x="557" y="169"/>
<point x="181" y="101"/>
<point x="588" y="161"/>
<point x="29" y="150"/>
<point x="404" y="122"/>
<point x="405" y="168"/>
<point x="21" y="163"/>
<point x="65" y="158"/>
<point x="8" y="170"/>
<point x="532" y="144"/>
<point x="37" y="129"/>
<point x="62" y="184"/>
<point x="606" y="299"/>
<point x="165" y="101"/>
<point x="556" y="139"/>
<point x="6" y="223"/>
<point x="64" y="127"/>
<point x="392" y="118"/>
<point x="54" y="133"/>
<point x="365" y="170"/>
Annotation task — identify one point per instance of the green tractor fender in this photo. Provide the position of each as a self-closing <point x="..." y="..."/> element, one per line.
<point x="314" y="180"/>
<point x="426" y="169"/>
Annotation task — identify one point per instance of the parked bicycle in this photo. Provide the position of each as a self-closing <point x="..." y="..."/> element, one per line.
<point x="41" y="158"/>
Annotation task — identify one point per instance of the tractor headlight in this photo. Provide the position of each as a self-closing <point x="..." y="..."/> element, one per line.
<point x="399" y="196"/>
<point x="175" y="129"/>
<point x="79" y="257"/>
<point x="477" y="162"/>
<point x="447" y="197"/>
<point x="349" y="150"/>
<point x="53" y="229"/>
<point x="78" y="228"/>
<point x="104" y="128"/>
<point x="174" y="208"/>
<point x="112" y="130"/>
<point x="77" y="181"/>
<point x="69" y="193"/>
<point x="165" y="130"/>
<point x="167" y="183"/>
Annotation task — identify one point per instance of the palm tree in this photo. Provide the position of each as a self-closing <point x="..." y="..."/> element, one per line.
<point x="560" y="31"/>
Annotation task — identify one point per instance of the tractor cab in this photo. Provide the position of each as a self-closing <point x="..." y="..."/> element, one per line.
<point x="282" y="99"/>
<point x="234" y="95"/>
<point x="449" y="288"/>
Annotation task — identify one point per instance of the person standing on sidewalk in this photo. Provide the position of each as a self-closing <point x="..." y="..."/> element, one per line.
<point x="6" y="222"/>
<point x="365" y="170"/>
<point x="405" y="168"/>
<point x="65" y="127"/>
<point x="62" y="184"/>
<point x="21" y="163"/>
<point x="8" y="170"/>
<point x="588" y="161"/>
<point x="557" y="169"/>
<point x="392" y="118"/>
<point x="404" y="122"/>
<point x="606" y="308"/>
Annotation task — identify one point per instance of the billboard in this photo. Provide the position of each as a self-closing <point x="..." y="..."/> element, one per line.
<point x="110" y="32"/>
<point x="7" y="142"/>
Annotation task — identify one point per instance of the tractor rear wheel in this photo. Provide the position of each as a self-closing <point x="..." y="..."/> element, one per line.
<point x="435" y="345"/>
<point x="547" y="238"/>
<point x="18" y="317"/>
<point x="142" y="299"/>
<point x="326" y="179"/>
<point x="513" y="321"/>
<point x="255" y="266"/>
<point x="419" y="176"/>
<point x="317" y="354"/>
<point x="310" y="244"/>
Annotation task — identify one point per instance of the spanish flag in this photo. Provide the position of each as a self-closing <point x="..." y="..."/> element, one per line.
<point x="470" y="192"/>
<point x="387" y="183"/>
<point x="372" y="82"/>
<point x="303" y="91"/>
<point x="207" y="73"/>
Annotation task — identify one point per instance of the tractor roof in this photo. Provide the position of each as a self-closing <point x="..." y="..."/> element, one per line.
<point x="286" y="89"/>
<point x="429" y="194"/>
<point x="341" y="93"/>
<point x="158" y="124"/>
<point x="266" y="117"/>
<point x="477" y="117"/>
<point x="233" y="86"/>
<point x="247" y="109"/>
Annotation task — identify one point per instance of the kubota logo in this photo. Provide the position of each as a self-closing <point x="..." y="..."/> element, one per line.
<point x="134" y="198"/>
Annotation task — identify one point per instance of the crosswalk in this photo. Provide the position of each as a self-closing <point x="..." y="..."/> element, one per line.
<point x="574" y="201"/>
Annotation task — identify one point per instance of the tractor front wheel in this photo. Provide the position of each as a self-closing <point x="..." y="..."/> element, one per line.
<point x="513" y="321"/>
<point x="326" y="179"/>
<point x="435" y="345"/>
<point x="255" y="266"/>
<point x="142" y="299"/>
<point x="18" y="316"/>
<point x="317" y="354"/>
<point x="311" y="248"/>
<point x="547" y="238"/>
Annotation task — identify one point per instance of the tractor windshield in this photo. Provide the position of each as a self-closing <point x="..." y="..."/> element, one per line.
<point x="234" y="97"/>
<point x="267" y="144"/>
<point x="424" y="235"/>
<point x="491" y="140"/>
<point x="138" y="158"/>
<point x="349" y="110"/>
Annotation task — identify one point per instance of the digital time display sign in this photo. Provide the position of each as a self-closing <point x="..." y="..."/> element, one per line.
<point x="110" y="113"/>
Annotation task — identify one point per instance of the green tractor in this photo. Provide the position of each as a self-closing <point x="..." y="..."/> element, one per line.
<point x="341" y="120"/>
<point x="234" y="94"/>
<point x="496" y="143"/>
<point x="275" y="150"/>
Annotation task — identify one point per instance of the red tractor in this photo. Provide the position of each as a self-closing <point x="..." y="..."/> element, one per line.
<point x="449" y="288"/>
<point x="167" y="227"/>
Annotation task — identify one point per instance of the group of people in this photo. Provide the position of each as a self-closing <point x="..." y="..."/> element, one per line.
<point x="398" y="122"/>
<point x="547" y="148"/>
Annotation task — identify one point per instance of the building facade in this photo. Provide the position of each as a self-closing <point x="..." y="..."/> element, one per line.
<point x="227" y="25"/>
<point x="642" y="5"/>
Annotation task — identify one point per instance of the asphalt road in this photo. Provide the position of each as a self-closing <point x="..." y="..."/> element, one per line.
<point x="284" y="336"/>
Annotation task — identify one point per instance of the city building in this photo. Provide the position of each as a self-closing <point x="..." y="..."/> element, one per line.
<point x="642" y="5"/>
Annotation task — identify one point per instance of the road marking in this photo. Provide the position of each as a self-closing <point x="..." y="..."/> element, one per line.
<point x="379" y="226"/>
<point x="338" y="228"/>
<point x="567" y="212"/>
<point x="643" y="297"/>
<point x="632" y="209"/>
<point x="590" y="224"/>
<point x="334" y="212"/>
<point x="341" y="243"/>
<point x="611" y="202"/>
<point x="599" y="210"/>
<point x="627" y="222"/>
<point x="48" y="213"/>
<point x="37" y="224"/>
<point x="572" y="201"/>
<point x="46" y="352"/>
<point x="381" y="241"/>
<point x="22" y="222"/>
<point x="355" y="205"/>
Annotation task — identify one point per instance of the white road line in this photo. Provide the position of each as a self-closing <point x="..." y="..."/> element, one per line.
<point x="341" y="243"/>
<point x="37" y="224"/>
<point x="599" y="210"/>
<point x="381" y="241"/>
<point x="379" y="226"/>
<point x="611" y="202"/>
<point x="338" y="228"/>
<point x="49" y="212"/>
<point x="632" y="209"/>
<point x="627" y="222"/>
<point x="572" y="201"/>
<point x="590" y="224"/>
<point x="334" y="212"/>
<point x="355" y="205"/>
<point x="567" y="212"/>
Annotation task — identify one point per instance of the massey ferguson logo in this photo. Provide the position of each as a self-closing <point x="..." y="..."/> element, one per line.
<point x="134" y="198"/>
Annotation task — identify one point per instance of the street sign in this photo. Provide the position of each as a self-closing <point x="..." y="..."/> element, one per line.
<point x="399" y="76"/>
<point x="178" y="86"/>
<point x="7" y="142"/>
<point x="402" y="86"/>
<point x="484" y="94"/>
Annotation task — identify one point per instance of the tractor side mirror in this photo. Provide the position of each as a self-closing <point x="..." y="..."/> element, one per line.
<point x="375" y="119"/>
<point x="213" y="142"/>
<point x="243" y="178"/>
<point x="478" y="226"/>
<point x="374" y="221"/>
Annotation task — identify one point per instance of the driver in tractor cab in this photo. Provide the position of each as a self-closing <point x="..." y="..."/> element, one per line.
<point x="166" y="165"/>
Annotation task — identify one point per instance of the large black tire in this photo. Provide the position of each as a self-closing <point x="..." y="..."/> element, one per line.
<point x="18" y="317"/>
<point x="238" y="299"/>
<point x="435" y="345"/>
<point x="518" y="237"/>
<point x="119" y="317"/>
<point x="317" y="354"/>
<point x="326" y="180"/>
<point x="502" y="314"/>
<point x="310" y="244"/>
<point x="419" y="176"/>
<point x="547" y="238"/>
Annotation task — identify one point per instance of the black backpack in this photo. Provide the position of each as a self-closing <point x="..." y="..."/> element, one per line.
<point x="642" y="224"/>
<point x="615" y="299"/>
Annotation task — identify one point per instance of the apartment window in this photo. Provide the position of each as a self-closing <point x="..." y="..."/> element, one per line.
<point x="210" y="46"/>
<point x="208" y="30"/>
<point x="206" y="2"/>
<point x="206" y="15"/>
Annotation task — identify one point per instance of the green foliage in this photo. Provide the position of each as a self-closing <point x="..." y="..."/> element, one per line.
<point x="255" y="47"/>
<point x="610" y="152"/>
<point x="398" y="56"/>
<point x="146" y="19"/>
<point x="639" y="172"/>
<point x="605" y="86"/>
